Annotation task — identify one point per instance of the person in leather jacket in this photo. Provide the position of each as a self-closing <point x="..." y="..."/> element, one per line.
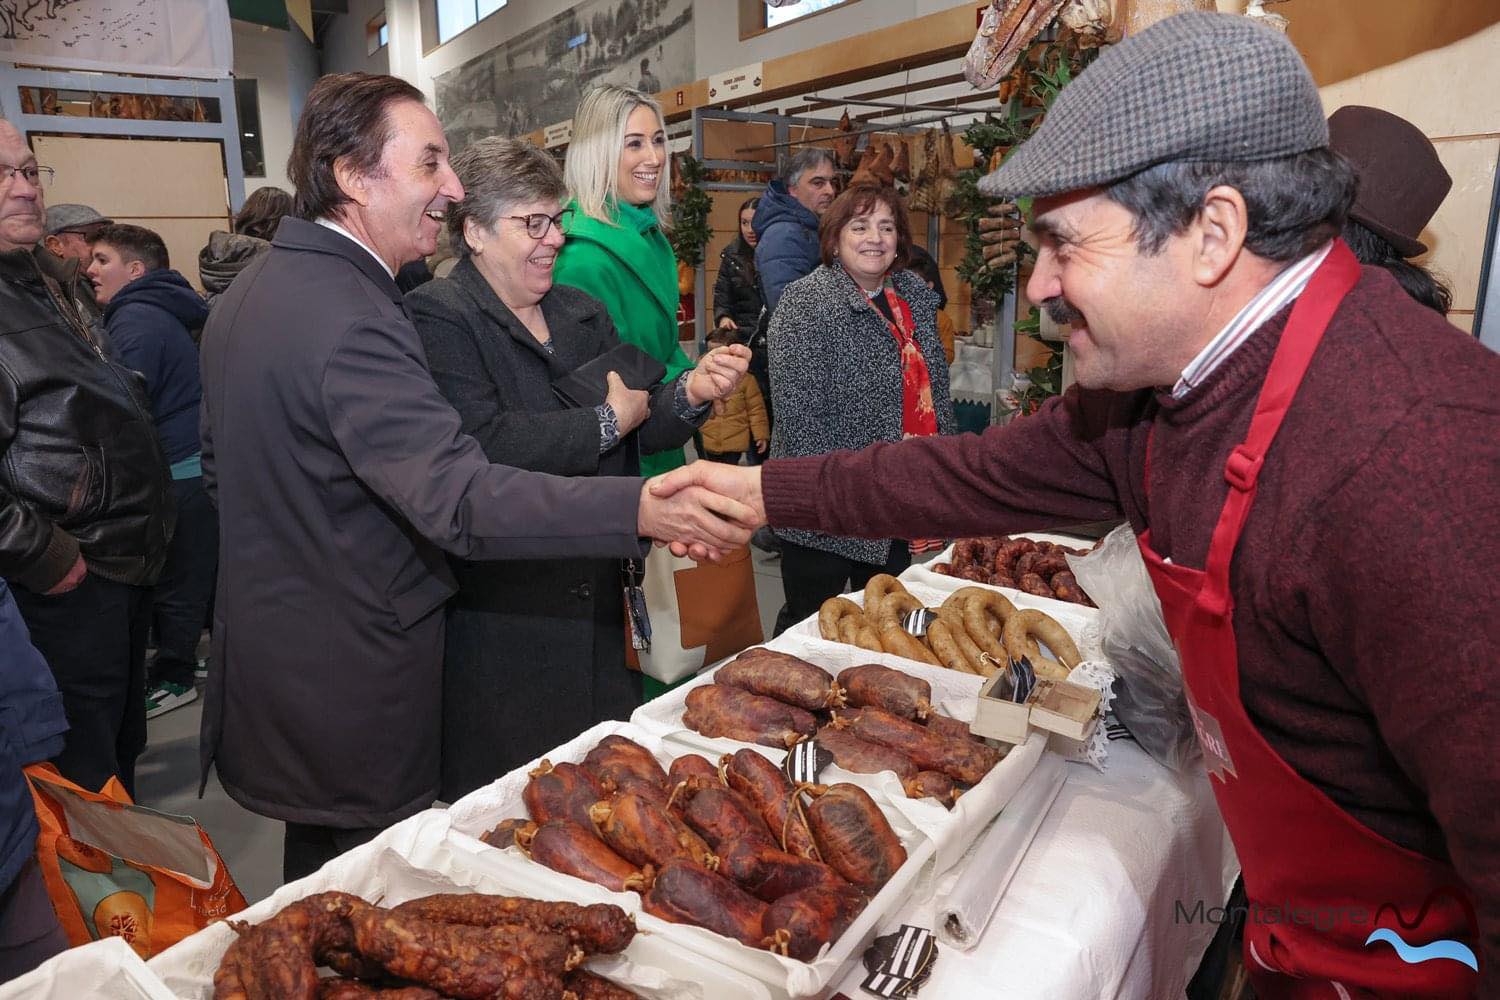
<point x="85" y="494"/>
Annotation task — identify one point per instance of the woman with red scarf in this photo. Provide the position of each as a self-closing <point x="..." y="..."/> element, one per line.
<point x="854" y="359"/>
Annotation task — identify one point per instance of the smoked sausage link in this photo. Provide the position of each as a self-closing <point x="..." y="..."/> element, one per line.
<point x="853" y="835"/>
<point x="719" y="710"/>
<point x="687" y="894"/>
<point x="962" y="760"/>
<point x="799" y="924"/>
<point x="786" y="678"/>
<point x="766" y="788"/>
<point x="881" y="687"/>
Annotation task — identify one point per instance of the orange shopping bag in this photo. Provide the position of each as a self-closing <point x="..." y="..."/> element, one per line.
<point x="116" y="869"/>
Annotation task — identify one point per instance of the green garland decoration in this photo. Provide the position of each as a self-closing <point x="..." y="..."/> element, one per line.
<point x="1043" y="74"/>
<point x="690" y="232"/>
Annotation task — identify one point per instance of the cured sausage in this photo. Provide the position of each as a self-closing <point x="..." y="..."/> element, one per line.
<point x="1065" y="588"/>
<point x="766" y="788"/>
<point x="897" y="692"/>
<point x="457" y="961"/>
<point x="643" y="832"/>
<point x="963" y="760"/>
<point x="353" y="989"/>
<point x="689" y="774"/>
<point x="562" y="791"/>
<point x="503" y="835"/>
<point x="566" y="847"/>
<point x="788" y="679"/>
<point x="725" y="817"/>
<point x="1034" y="623"/>
<point x="897" y="640"/>
<point x="799" y="924"/>
<point x="950" y="727"/>
<point x="719" y="710"/>
<point x="1030" y="583"/>
<point x="598" y="928"/>
<point x="769" y="874"/>
<point x="615" y="756"/>
<point x="951" y="644"/>
<point x="586" y="986"/>
<point x="863" y="757"/>
<point x="687" y="894"/>
<point x="932" y="785"/>
<point x="853" y="835"/>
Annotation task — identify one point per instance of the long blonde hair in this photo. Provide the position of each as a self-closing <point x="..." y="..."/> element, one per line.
<point x="592" y="168"/>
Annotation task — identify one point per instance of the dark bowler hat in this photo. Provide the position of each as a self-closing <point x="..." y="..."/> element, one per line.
<point x="1401" y="180"/>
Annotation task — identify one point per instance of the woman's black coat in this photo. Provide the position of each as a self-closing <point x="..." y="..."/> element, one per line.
<point x="736" y="290"/>
<point x="535" y="649"/>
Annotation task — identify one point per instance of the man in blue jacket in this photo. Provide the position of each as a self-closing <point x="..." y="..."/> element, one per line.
<point x="151" y="315"/>
<point x="786" y="221"/>
<point x="786" y="229"/>
<point x="33" y="731"/>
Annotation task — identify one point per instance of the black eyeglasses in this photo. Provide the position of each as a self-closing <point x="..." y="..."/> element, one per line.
<point x="538" y="224"/>
<point x="35" y="176"/>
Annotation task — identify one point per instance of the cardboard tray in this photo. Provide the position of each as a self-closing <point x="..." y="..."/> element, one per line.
<point x="413" y="859"/>
<point x="783" y="977"/>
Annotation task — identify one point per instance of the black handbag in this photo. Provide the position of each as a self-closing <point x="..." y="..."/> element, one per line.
<point x="587" y="384"/>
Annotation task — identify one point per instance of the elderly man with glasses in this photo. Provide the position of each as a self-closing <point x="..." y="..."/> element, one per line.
<point x="85" y="495"/>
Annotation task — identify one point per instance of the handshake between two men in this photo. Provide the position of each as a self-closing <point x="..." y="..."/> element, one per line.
<point x="704" y="509"/>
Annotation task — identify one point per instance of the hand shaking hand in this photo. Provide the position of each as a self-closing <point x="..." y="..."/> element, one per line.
<point x="717" y="490"/>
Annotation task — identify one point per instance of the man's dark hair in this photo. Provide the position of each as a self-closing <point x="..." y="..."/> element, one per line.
<point x="135" y="243"/>
<point x="262" y="212"/>
<point x="803" y="160"/>
<point x="1295" y="203"/>
<point x="861" y="199"/>
<point x="1418" y="282"/>
<point x="345" y="117"/>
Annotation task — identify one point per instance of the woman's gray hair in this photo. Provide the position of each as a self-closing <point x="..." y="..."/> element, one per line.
<point x="498" y="173"/>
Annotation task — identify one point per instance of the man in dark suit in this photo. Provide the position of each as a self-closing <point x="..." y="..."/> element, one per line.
<point x="342" y="478"/>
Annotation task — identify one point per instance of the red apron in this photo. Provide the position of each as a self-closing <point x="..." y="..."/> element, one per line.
<point x="1319" y="883"/>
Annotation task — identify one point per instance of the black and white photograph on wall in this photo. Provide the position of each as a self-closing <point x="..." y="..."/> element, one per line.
<point x="537" y="78"/>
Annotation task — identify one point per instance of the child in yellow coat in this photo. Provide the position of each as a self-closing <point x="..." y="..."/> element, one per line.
<point x="741" y="428"/>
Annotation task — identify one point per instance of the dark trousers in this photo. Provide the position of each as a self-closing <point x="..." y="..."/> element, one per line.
<point x="812" y="576"/>
<point x="180" y="600"/>
<point x="94" y="639"/>
<point x="308" y="847"/>
<point x="752" y="457"/>
<point x="29" y="931"/>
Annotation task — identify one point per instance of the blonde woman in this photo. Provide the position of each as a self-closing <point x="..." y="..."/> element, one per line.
<point x="617" y="249"/>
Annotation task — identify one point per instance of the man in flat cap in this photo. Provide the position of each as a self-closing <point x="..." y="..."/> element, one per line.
<point x="1321" y="527"/>
<point x="63" y="253"/>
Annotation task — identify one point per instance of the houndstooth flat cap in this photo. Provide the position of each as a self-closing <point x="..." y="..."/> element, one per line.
<point x="1194" y="87"/>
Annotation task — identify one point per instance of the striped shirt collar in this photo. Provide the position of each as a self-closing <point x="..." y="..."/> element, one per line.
<point x="1270" y="300"/>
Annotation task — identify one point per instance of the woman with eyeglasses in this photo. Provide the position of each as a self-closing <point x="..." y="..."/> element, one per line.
<point x="535" y="652"/>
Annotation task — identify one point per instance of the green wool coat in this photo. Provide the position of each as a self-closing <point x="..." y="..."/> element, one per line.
<point x="628" y="265"/>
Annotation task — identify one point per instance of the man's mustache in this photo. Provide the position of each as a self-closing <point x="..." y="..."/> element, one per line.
<point x="1061" y="311"/>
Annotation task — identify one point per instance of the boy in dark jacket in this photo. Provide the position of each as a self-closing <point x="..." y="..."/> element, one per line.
<point x="33" y="731"/>
<point x="153" y="316"/>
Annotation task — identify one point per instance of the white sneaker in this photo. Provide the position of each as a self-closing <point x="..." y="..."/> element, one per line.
<point x="167" y="697"/>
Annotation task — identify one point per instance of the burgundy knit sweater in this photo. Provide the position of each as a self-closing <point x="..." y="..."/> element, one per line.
<point x="1366" y="604"/>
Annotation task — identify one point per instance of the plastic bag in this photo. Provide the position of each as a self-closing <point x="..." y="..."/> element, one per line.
<point x="116" y="869"/>
<point x="1149" y="700"/>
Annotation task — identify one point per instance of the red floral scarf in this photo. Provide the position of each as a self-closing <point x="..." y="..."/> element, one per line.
<point x="918" y="417"/>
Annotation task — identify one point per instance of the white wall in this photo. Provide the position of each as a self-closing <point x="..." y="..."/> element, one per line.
<point x="264" y="54"/>
<point x="345" y="48"/>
